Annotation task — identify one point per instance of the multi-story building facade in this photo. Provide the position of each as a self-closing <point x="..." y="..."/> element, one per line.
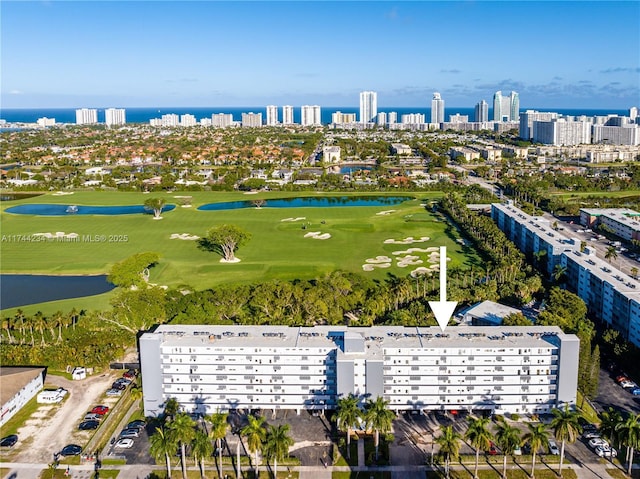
<point x="251" y="119"/>
<point x="482" y="111"/>
<point x="437" y="109"/>
<point x="219" y="368"/>
<point x="392" y="117"/>
<point x="287" y="115"/>
<point x="382" y="118"/>
<point x="86" y="116"/>
<point x="412" y="119"/>
<point x="221" y="120"/>
<point x="610" y="295"/>
<point x="458" y="118"/>
<point x="188" y="120"/>
<point x="560" y="131"/>
<point x="115" y="116"/>
<point x="506" y="108"/>
<point x="625" y="134"/>
<point x="272" y="115"/>
<point x="623" y="222"/>
<point x="170" y="119"/>
<point x="310" y="115"/>
<point x="368" y="106"/>
<point x="528" y="117"/>
<point x="44" y="121"/>
<point x="339" y="118"/>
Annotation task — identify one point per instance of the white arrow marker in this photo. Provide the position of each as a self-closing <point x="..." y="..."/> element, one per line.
<point x="443" y="309"/>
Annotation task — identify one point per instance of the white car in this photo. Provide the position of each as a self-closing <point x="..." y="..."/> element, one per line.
<point x="596" y="442"/>
<point x="607" y="451"/>
<point x="124" y="443"/>
<point x="553" y="448"/>
<point x="628" y="384"/>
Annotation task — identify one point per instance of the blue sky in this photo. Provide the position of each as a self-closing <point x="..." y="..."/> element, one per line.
<point x="577" y="54"/>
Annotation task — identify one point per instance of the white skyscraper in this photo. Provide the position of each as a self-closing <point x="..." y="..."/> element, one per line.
<point x="86" y="116"/>
<point x="252" y="119"/>
<point x="188" y="120"/>
<point x="633" y="113"/>
<point x="392" y="116"/>
<point x="368" y="106"/>
<point x="437" y="109"/>
<point x="382" y="118"/>
<point x="287" y="115"/>
<point x="221" y="120"/>
<point x="506" y="108"/>
<point x="272" y="115"/>
<point x="114" y="116"/>
<point x="310" y="115"/>
<point x="482" y="111"/>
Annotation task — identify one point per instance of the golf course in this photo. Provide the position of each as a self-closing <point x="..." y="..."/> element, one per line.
<point x="286" y="243"/>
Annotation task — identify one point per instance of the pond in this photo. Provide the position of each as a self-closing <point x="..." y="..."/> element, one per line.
<point x="23" y="289"/>
<point x="310" y="202"/>
<point x="70" y="210"/>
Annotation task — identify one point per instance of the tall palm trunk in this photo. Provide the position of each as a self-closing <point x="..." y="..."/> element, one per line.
<point x="533" y="466"/>
<point x="561" y="458"/>
<point x="348" y="443"/>
<point x="183" y="461"/>
<point x="275" y="468"/>
<point x="168" y="461"/>
<point x="630" y="462"/>
<point x="475" y="470"/>
<point x="504" y="467"/>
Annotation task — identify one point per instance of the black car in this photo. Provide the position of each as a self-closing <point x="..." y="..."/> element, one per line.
<point x="86" y="425"/>
<point x="119" y="386"/>
<point x="137" y="424"/>
<point x="9" y="441"/>
<point x="71" y="450"/>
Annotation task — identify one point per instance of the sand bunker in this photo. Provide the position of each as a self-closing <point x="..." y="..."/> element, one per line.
<point x="371" y="267"/>
<point x="251" y="192"/>
<point x="294" y="219"/>
<point x="317" y="235"/>
<point x="407" y="240"/>
<point x="409" y="260"/>
<point x="57" y="234"/>
<point x="62" y="193"/>
<point x="387" y="212"/>
<point x="433" y="248"/>
<point x="379" y="259"/>
<point x="409" y="251"/>
<point x="421" y="271"/>
<point x="184" y="236"/>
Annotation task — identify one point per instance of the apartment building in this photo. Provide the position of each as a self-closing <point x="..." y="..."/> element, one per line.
<point x="610" y="295"/>
<point x="219" y="368"/>
<point x="532" y="234"/>
<point x="624" y="222"/>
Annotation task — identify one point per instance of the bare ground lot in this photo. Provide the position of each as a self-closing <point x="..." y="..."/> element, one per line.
<point x="53" y="426"/>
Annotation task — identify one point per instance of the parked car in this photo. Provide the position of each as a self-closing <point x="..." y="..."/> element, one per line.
<point x="526" y="448"/>
<point x="588" y="427"/>
<point x="621" y="377"/>
<point x="517" y="451"/>
<point x="102" y="410"/>
<point x="492" y="449"/>
<point x="130" y="374"/>
<point x="71" y="450"/>
<point x="628" y="384"/>
<point x="114" y="392"/>
<point x="124" y="443"/>
<point x="138" y="424"/>
<point x="87" y="425"/>
<point x="9" y="441"/>
<point x="635" y="391"/>
<point x="553" y="448"/>
<point x="591" y="435"/>
<point x="607" y="451"/>
<point x="129" y="433"/>
<point x="91" y="416"/>
<point x="597" y="441"/>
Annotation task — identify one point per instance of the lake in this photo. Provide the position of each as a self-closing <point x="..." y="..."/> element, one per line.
<point x="23" y="289"/>
<point x="70" y="210"/>
<point x="310" y="202"/>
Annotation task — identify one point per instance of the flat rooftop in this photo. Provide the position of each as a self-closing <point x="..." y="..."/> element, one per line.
<point x="284" y="337"/>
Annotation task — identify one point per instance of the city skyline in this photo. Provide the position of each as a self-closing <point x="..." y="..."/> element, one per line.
<point x="204" y="57"/>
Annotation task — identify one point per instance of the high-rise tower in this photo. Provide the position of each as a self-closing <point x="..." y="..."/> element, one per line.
<point x="506" y="108"/>
<point x="482" y="111"/>
<point x="437" y="108"/>
<point x="272" y="115"/>
<point x="368" y="106"/>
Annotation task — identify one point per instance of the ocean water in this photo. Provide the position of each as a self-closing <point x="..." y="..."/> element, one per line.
<point x="143" y="115"/>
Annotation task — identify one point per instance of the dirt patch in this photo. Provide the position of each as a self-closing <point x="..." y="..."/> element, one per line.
<point x="52" y="427"/>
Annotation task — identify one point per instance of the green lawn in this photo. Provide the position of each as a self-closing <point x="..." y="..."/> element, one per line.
<point x="277" y="249"/>
<point x="569" y="195"/>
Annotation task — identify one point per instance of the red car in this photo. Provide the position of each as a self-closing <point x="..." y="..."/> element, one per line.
<point x="102" y="410"/>
<point x="492" y="449"/>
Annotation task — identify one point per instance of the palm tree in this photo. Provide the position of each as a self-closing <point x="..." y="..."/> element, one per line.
<point x="630" y="432"/>
<point x="536" y="437"/>
<point x="136" y="393"/>
<point x="8" y="324"/>
<point x="218" y="431"/>
<point x="566" y="427"/>
<point x="155" y="204"/>
<point x="611" y="254"/>
<point x="508" y="439"/>
<point x="348" y="415"/>
<point x="202" y="448"/>
<point x="19" y="317"/>
<point x="58" y="321"/>
<point x="182" y="427"/>
<point x="277" y="445"/>
<point x="39" y="323"/>
<point x="256" y="435"/>
<point x="378" y="418"/>
<point x="163" y="443"/>
<point x="479" y="437"/>
<point x="449" y="442"/>
<point x="634" y="272"/>
<point x="559" y="273"/>
<point x="609" y="421"/>
<point x="171" y="408"/>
